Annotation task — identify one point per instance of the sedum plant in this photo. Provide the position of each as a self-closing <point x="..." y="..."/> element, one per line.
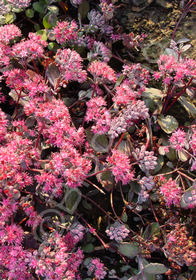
<point x="87" y="164"/>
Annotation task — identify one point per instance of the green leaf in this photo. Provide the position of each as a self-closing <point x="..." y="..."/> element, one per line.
<point x="151" y="230"/>
<point x="52" y="46"/>
<point x="182" y="156"/>
<point x="168" y="123"/>
<point x="49" y="21"/>
<point x="106" y="179"/>
<point x="29" y="13"/>
<point x="88" y="248"/>
<point x="188" y="105"/>
<point x="188" y="199"/>
<point x="2" y="19"/>
<point x="124" y="217"/>
<point x="100" y="143"/>
<point x="155" y="268"/>
<point x="153" y="98"/>
<point x="53" y="10"/>
<point x="119" y="80"/>
<point x="72" y="199"/>
<point x="83" y="9"/>
<point x="38" y="7"/>
<point x="153" y="93"/>
<point x="128" y="249"/>
<point x="9" y="18"/>
<point x="43" y="33"/>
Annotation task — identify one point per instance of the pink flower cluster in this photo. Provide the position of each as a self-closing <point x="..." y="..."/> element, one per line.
<point x="3" y="125"/>
<point x="124" y="94"/>
<point x="178" y="139"/>
<point x="70" y="165"/>
<point x="96" y="268"/>
<point x="97" y="112"/>
<point x="9" y="32"/>
<point x="137" y="76"/>
<point x="174" y="71"/>
<point x="146" y="183"/>
<point x="147" y="160"/>
<point x="65" y="32"/>
<point x="100" y="51"/>
<point x="70" y="65"/>
<point x="121" y="167"/>
<point x="179" y="248"/>
<point x="31" y="48"/>
<point x="58" y="258"/>
<point x="107" y="10"/>
<point x="117" y="231"/>
<point x="102" y="73"/>
<point x="172" y="192"/>
<point x="19" y="4"/>
<point x="98" y="23"/>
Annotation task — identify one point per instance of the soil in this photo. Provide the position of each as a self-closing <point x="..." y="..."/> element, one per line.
<point x="158" y="23"/>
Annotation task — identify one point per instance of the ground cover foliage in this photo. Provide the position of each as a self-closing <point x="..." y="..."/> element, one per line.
<point x="97" y="149"/>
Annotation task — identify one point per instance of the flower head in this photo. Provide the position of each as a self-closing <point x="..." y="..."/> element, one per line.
<point x="172" y="192"/>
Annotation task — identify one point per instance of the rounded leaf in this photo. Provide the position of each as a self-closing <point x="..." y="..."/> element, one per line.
<point x="155" y="268"/>
<point x="128" y="249"/>
<point x="188" y="199"/>
<point x="168" y="123"/>
<point x="29" y="13"/>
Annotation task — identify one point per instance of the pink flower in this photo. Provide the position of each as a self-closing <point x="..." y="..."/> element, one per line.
<point x="178" y="139"/>
<point x="9" y="32"/>
<point x="172" y="192"/>
<point x="121" y="167"/>
<point x="137" y="76"/>
<point x="3" y="125"/>
<point x="96" y="268"/>
<point x="31" y="48"/>
<point x="124" y="94"/>
<point x="117" y="231"/>
<point x="5" y="54"/>
<point x="70" y="65"/>
<point x="173" y="70"/>
<point x="101" y="72"/>
<point x="97" y="112"/>
<point x="65" y="31"/>
<point x="69" y="164"/>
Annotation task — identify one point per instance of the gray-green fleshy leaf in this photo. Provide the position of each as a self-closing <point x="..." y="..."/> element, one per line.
<point x="168" y="123"/>
<point x="128" y="249"/>
<point x="106" y="179"/>
<point x="182" y="156"/>
<point x="53" y="10"/>
<point x="83" y="9"/>
<point x="72" y="199"/>
<point x="100" y="143"/>
<point x="153" y="93"/>
<point x="188" y="105"/>
<point x="188" y="198"/>
<point x="119" y="80"/>
<point x="155" y="268"/>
